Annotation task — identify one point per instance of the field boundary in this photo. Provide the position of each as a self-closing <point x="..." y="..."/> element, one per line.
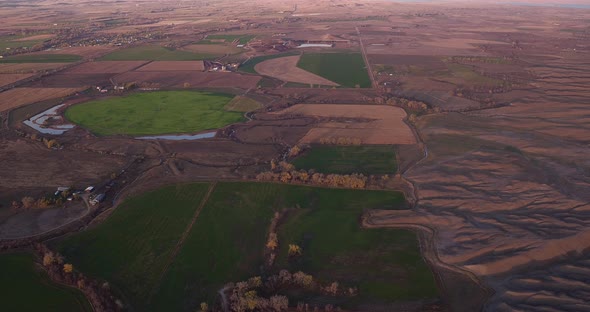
<point x="183" y="238"/>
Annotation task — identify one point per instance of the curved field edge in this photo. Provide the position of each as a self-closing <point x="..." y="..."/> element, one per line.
<point x="150" y="113"/>
<point x="227" y="242"/>
<point x="20" y="280"/>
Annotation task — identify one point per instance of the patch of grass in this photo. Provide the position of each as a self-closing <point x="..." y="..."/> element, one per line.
<point x="242" y="104"/>
<point x="248" y="66"/>
<point x="349" y="159"/>
<point x="346" y="69"/>
<point x="132" y="246"/>
<point x="153" y="53"/>
<point x="227" y="241"/>
<point x="26" y="288"/>
<point x="42" y="58"/>
<point x="151" y="113"/>
<point x="385" y="265"/>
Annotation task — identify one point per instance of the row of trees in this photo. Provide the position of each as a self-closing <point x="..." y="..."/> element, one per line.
<point x="99" y="294"/>
<point x="345" y="141"/>
<point x="356" y="181"/>
<point x="47" y="201"/>
<point x="246" y="295"/>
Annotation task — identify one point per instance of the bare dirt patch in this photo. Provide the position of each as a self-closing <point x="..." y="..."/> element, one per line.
<point x="285" y="68"/>
<point x="22" y="96"/>
<point x="21" y="68"/>
<point x="373" y="124"/>
<point x="6" y="79"/>
<point x="173" y="66"/>
<point x="105" y="67"/>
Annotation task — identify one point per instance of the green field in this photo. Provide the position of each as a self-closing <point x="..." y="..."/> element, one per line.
<point x="153" y="53"/>
<point x="227" y="241"/>
<point x="348" y="159"/>
<point x="163" y="112"/>
<point x="26" y="288"/>
<point x="346" y="69"/>
<point x="41" y="58"/>
<point x="131" y="248"/>
<point x="248" y="66"/>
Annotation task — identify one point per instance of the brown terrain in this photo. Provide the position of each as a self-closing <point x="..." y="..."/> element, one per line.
<point x="495" y="162"/>
<point x="173" y="66"/>
<point x="285" y="68"/>
<point x="372" y="124"/>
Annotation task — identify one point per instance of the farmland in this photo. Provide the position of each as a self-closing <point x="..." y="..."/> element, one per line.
<point x="240" y="39"/>
<point x="248" y="66"/>
<point x="153" y="53"/>
<point x="105" y="67"/>
<point x="22" y="96"/>
<point x="20" y="68"/>
<point x="131" y="248"/>
<point x="173" y="66"/>
<point x="41" y="58"/>
<point x="242" y="104"/>
<point x="285" y="68"/>
<point x="155" y="113"/>
<point x="374" y="124"/>
<point x="20" y="279"/>
<point x="10" y="78"/>
<point x="213" y="50"/>
<point x="232" y="229"/>
<point x="346" y="69"/>
<point x="348" y="159"/>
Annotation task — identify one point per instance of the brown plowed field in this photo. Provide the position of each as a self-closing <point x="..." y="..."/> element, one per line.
<point x="215" y="49"/>
<point x="10" y="78"/>
<point x="193" y="78"/>
<point x="373" y="124"/>
<point x="72" y="81"/>
<point x="19" y="68"/>
<point x="22" y="96"/>
<point x="89" y="52"/>
<point x="173" y="66"/>
<point x="285" y="69"/>
<point x="106" y="67"/>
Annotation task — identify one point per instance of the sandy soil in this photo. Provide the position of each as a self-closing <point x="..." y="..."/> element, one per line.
<point x="285" y="68"/>
<point x="17" y="97"/>
<point x="10" y="78"/>
<point x="373" y="124"/>
<point x="106" y="67"/>
<point x="173" y="66"/>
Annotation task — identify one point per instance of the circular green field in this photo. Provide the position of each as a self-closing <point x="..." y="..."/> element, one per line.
<point x="163" y="112"/>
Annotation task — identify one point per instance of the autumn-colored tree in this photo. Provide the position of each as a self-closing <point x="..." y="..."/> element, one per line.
<point x="68" y="268"/>
<point x="204" y="307"/>
<point x="332" y="289"/>
<point x="303" y="279"/>
<point x="295" y="250"/>
<point x="28" y="202"/>
<point x="273" y="241"/>
<point x="294" y="151"/>
<point x="48" y="259"/>
<point x="279" y="303"/>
